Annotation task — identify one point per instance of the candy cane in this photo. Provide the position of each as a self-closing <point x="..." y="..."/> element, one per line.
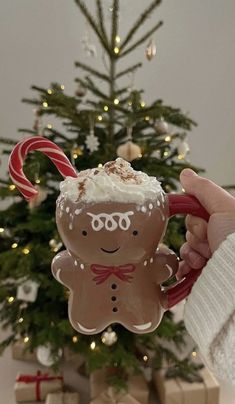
<point x="47" y="147"/>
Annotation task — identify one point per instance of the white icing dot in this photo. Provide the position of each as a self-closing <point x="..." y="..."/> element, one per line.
<point x="158" y="203"/>
<point x="151" y="260"/>
<point x="163" y="218"/>
<point x="76" y="263"/>
<point x="150" y="206"/>
<point x="70" y="226"/>
<point x="67" y="209"/>
<point x="143" y="209"/>
<point x="82" y="266"/>
<point x="77" y="211"/>
<point x="163" y="199"/>
<point x="145" y="263"/>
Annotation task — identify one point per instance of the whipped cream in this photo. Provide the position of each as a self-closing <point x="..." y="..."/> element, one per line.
<point x="116" y="181"/>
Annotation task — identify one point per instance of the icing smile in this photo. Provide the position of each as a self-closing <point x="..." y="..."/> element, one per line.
<point x="110" y="251"/>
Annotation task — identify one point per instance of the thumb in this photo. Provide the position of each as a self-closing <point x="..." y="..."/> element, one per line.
<point x="212" y="197"/>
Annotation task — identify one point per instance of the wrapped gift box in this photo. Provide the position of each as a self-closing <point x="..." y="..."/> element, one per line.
<point x="62" y="398"/>
<point x="19" y="352"/>
<point x="110" y="396"/>
<point x="138" y="390"/>
<point x="178" y="391"/>
<point x="36" y="387"/>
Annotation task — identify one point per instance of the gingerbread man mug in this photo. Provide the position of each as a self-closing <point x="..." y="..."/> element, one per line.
<point x="112" y="221"/>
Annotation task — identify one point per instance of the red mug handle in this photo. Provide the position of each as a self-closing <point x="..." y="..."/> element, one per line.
<point x="184" y="204"/>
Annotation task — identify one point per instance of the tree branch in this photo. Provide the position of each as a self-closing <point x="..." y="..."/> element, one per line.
<point x="89" y="69"/>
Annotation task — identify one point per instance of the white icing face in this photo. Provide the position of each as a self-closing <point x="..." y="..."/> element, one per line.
<point x="116" y="181"/>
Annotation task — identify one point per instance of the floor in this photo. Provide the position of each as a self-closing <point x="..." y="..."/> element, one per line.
<point x="9" y="369"/>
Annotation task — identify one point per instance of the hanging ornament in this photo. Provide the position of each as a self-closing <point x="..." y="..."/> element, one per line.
<point x="38" y="199"/>
<point x="88" y="47"/>
<point x="92" y="142"/>
<point x="156" y="154"/>
<point x="109" y="337"/>
<point x="81" y="91"/>
<point x="150" y="50"/>
<point x="183" y="149"/>
<point x="129" y="151"/>
<point x="55" y="245"/>
<point x="45" y="356"/>
<point x="161" y="127"/>
<point x="27" y="291"/>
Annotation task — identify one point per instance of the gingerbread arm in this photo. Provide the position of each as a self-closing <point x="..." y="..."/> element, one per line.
<point x="166" y="262"/>
<point x="63" y="269"/>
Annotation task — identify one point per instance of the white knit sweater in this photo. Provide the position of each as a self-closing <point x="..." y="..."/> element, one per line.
<point x="210" y="311"/>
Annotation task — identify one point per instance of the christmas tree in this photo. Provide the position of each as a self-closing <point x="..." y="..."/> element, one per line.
<point x="107" y="117"/>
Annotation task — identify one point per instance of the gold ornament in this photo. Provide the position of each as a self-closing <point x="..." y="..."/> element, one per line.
<point x="183" y="149"/>
<point x="129" y="151"/>
<point x="151" y="50"/>
<point x="81" y="91"/>
<point x="109" y="337"/>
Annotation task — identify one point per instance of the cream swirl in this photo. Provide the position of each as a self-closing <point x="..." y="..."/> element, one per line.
<point x="116" y="181"/>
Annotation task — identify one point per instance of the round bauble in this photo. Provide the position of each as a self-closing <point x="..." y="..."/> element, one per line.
<point x="109" y="337"/>
<point x="129" y="151"/>
<point x="45" y="357"/>
<point x="81" y="91"/>
<point x="183" y="149"/>
<point x="161" y="127"/>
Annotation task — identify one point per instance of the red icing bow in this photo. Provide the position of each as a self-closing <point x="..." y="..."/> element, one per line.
<point x="103" y="272"/>
<point x="38" y="378"/>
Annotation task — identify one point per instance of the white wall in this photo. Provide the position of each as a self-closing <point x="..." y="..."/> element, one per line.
<point x="194" y="67"/>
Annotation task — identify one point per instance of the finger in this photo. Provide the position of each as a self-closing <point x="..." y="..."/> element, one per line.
<point x="212" y="197"/>
<point x="192" y="258"/>
<point x="183" y="270"/>
<point x="201" y="247"/>
<point x="196" y="226"/>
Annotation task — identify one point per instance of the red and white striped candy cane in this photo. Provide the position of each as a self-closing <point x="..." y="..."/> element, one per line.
<point x="47" y="147"/>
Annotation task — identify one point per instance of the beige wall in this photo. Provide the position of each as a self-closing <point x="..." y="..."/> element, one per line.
<point x="194" y="67"/>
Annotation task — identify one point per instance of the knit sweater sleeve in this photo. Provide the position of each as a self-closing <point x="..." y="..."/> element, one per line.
<point x="210" y="311"/>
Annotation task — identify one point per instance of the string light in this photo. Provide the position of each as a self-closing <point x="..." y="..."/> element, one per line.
<point x="116" y="50"/>
<point x="130" y="103"/>
<point x="147" y="118"/>
<point x="118" y="39"/>
<point x="26" y="251"/>
<point x="142" y="104"/>
<point x="92" y="345"/>
<point x="49" y="91"/>
<point x="75" y="339"/>
<point x="49" y="126"/>
<point x="166" y="153"/>
<point x="168" y="138"/>
<point x="38" y="181"/>
<point x="2" y="230"/>
<point x="45" y="104"/>
<point x="20" y="320"/>
<point x="12" y="187"/>
<point x="14" y="245"/>
<point x="62" y="87"/>
<point x="116" y="101"/>
<point x="99" y="117"/>
<point x="194" y="354"/>
<point x="145" y="358"/>
<point x="180" y="157"/>
<point x="106" y="108"/>
<point x="26" y="339"/>
<point x="75" y="156"/>
<point x="100" y="165"/>
<point x="10" y="299"/>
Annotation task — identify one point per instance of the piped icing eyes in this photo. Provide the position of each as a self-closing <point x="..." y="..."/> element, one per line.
<point x="135" y="233"/>
<point x="84" y="233"/>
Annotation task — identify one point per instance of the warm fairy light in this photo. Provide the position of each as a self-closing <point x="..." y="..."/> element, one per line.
<point x="75" y="156"/>
<point x="75" y="339"/>
<point x="183" y="190"/>
<point x="26" y="251"/>
<point x="44" y="104"/>
<point x="166" y="153"/>
<point x="99" y="117"/>
<point x="130" y="103"/>
<point x="49" y="91"/>
<point x="38" y="181"/>
<point x="168" y="138"/>
<point x="2" y="230"/>
<point x="145" y="358"/>
<point x="49" y="126"/>
<point x="26" y="339"/>
<point x="116" y="101"/>
<point x="194" y="354"/>
<point x="92" y="345"/>
<point x="147" y="118"/>
<point x="12" y="187"/>
<point x="116" y="50"/>
<point x="62" y="87"/>
<point x="180" y="157"/>
<point x="142" y="104"/>
<point x="118" y="39"/>
<point x="10" y="299"/>
<point x="100" y="165"/>
<point x="20" y="320"/>
<point x="14" y="245"/>
<point x="106" y="108"/>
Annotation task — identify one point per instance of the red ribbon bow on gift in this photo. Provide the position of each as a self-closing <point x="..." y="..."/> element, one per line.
<point x="103" y="272"/>
<point x="38" y="378"/>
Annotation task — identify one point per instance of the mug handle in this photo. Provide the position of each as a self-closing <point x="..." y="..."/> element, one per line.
<point x="184" y="204"/>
